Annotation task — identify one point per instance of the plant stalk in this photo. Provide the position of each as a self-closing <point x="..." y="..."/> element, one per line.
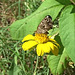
<point x="36" y="66"/>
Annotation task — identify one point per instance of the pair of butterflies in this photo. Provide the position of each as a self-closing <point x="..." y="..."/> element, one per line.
<point x="45" y="25"/>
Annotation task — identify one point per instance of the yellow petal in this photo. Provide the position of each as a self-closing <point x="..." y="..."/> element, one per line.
<point x="28" y="45"/>
<point x="42" y="52"/>
<point x="56" y="50"/>
<point x="42" y="48"/>
<point x="49" y="37"/>
<point x="51" y="45"/>
<point x="46" y="48"/>
<point x="28" y="37"/>
<point x="39" y="50"/>
<point x="54" y="42"/>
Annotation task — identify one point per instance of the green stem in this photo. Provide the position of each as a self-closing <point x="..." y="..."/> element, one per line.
<point x="19" y="13"/>
<point x="36" y="66"/>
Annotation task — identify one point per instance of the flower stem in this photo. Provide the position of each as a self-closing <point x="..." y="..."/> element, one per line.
<point x="36" y="66"/>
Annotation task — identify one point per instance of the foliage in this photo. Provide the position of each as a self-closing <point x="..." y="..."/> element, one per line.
<point x="64" y="10"/>
<point x="28" y="25"/>
<point x="63" y="17"/>
<point x="57" y="63"/>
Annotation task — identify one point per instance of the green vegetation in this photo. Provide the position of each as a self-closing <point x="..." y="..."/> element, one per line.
<point x="15" y="61"/>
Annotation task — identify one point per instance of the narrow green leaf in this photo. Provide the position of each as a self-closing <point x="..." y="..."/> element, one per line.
<point x="21" y="28"/>
<point x="57" y="64"/>
<point x="15" y="70"/>
<point x="67" y="31"/>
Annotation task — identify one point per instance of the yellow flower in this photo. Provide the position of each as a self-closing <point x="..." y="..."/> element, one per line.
<point x="43" y="43"/>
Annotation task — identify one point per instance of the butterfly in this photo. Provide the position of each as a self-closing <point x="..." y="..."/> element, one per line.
<point x="45" y="25"/>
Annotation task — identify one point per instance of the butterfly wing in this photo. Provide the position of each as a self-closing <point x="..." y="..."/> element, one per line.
<point x="45" y="25"/>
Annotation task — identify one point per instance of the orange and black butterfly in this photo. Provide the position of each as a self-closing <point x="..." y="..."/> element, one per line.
<point x="45" y="25"/>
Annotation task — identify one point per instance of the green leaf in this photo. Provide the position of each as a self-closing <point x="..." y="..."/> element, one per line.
<point x="57" y="38"/>
<point x="57" y="64"/>
<point x="67" y="31"/>
<point x="64" y="2"/>
<point x="53" y="31"/>
<point x="15" y="70"/>
<point x="67" y="10"/>
<point x="21" y="28"/>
